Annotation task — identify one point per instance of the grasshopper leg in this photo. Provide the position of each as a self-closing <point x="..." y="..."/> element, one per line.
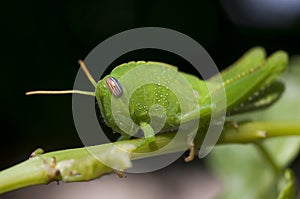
<point x="191" y="154"/>
<point x="149" y="137"/>
<point x="149" y="134"/>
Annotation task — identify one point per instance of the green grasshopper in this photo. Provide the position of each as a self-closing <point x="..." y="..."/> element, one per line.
<point x="249" y="85"/>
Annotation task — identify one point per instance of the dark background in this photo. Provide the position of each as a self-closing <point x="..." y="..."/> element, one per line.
<point x="41" y="42"/>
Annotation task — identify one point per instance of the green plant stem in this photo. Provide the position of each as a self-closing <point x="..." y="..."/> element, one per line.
<point x="79" y="165"/>
<point x="254" y="131"/>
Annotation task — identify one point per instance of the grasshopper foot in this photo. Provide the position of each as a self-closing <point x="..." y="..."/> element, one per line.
<point x="120" y="174"/>
<point x="191" y="154"/>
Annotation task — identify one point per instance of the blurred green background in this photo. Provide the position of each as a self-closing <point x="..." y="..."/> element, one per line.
<point x="42" y="41"/>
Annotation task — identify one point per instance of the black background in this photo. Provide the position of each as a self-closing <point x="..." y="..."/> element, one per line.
<point x="41" y="42"/>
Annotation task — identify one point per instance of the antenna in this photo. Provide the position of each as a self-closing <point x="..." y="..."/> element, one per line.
<point x="87" y="73"/>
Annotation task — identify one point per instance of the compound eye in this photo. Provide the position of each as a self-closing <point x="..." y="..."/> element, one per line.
<point x="114" y="86"/>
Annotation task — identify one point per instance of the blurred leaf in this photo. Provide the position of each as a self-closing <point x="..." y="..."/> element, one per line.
<point x="283" y="150"/>
<point x="243" y="169"/>
<point x="287" y="186"/>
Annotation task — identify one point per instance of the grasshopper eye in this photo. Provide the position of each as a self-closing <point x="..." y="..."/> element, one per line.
<point x="114" y="86"/>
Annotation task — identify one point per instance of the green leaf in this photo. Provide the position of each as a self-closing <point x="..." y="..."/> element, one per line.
<point x="243" y="171"/>
<point x="283" y="149"/>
